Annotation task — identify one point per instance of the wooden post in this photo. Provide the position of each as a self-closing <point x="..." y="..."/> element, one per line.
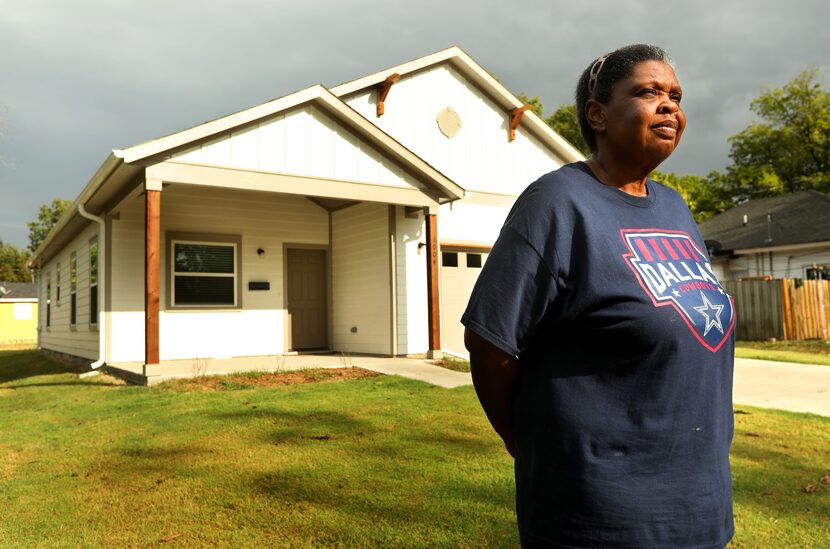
<point x="152" y="234"/>
<point x="433" y="301"/>
<point x="822" y="320"/>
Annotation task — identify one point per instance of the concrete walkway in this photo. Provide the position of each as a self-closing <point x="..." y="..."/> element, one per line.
<point x="782" y="385"/>
<point x="762" y="383"/>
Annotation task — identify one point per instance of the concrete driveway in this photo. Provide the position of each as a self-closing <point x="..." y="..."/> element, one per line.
<point x="782" y="385"/>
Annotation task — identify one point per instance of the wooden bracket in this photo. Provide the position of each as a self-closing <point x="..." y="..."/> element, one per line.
<point x="515" y="118"/>
<point x="383" y="90"/>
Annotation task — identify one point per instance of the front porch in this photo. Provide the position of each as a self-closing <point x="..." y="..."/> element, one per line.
<point x="413" y="368"/>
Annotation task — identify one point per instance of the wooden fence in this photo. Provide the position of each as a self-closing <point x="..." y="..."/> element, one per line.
<point x="781" y="309"/>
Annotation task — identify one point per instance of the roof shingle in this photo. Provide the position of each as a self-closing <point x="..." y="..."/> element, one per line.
<point x="796" y="218"/>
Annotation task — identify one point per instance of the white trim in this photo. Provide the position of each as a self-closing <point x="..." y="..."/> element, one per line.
<point x="19" y="300"/>
<point x="256" y="180"/>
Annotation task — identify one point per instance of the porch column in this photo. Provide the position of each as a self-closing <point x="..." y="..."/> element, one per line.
<point x="433" y="300"/>
<point x="152" y="234"/>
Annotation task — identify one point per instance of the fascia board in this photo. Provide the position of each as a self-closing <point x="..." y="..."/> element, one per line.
<point x="110" y="164"/>
<point x="400" y="153"/>
<point x="220" y="125"/>
<point x="315" y="94"/>
<point x="404" y="68"/>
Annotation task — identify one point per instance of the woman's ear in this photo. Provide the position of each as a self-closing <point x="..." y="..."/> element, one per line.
<point x="595" y="114"/>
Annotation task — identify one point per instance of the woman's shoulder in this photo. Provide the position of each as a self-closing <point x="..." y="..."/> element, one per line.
<point x="666" y="193"/>
<point x="564" y="182"/>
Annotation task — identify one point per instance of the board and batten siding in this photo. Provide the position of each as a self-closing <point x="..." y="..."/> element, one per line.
<point x="480" y="157"/>
<point x="261" y="220"/>
<point x="411" y="283"/>
<point x="361" y="286"/>
<point x="463" y="221"/>
<point x="304" y="142"/>
<point x="82" y="339"/>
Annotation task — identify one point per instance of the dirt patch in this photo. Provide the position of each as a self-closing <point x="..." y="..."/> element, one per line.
<point x="450" y="363"/>
<point x="253" y="380"/>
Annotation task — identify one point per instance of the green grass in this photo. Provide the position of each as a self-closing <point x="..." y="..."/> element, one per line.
<point x="456" y="364"/>
<point x="804" y="352"/>
<point x="379" y="462"/>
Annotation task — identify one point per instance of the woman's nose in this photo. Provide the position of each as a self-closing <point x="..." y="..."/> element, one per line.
<point x="667" y="106"/>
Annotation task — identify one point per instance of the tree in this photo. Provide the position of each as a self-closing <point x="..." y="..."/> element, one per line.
<point x="705" y="196"/>
<point x="790" y="150"/>
<point x="13" y="264"/>
<point x="47" y="217"/>
<point x="563" y="121"/>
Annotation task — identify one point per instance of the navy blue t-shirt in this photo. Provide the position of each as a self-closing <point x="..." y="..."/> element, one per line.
<point x="623" y="403"/>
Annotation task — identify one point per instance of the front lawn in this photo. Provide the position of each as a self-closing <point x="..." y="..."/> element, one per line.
<point x="378" y="461"/>
<point x="804" y="352"/>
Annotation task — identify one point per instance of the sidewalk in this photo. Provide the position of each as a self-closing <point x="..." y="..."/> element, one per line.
<point x="782" y="385"/>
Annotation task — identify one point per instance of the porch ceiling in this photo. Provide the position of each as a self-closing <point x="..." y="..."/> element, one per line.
<point x="315" y="187"/>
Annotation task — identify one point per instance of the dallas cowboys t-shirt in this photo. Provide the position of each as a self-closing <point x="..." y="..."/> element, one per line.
<point x="623" y="403"/>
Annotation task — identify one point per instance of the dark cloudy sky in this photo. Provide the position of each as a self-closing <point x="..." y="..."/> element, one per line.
<point x="81" y="77"/>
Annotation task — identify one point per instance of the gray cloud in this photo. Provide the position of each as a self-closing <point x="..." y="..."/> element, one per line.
<point x="83" y="77"/>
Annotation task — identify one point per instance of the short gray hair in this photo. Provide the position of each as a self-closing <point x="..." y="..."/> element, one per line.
<point x="615" y="66"/>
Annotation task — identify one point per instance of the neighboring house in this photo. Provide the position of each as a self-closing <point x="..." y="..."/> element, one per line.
<point x="353" y="219"/>
<point x="18" y="314"/>
<point x="782" y="237"/>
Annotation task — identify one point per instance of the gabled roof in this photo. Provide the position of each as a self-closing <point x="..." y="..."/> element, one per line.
<point x="792" y="219"/>
<point x="471" y="70"/>
<point x="122" y="165"/>
<point x="17" y="291"/>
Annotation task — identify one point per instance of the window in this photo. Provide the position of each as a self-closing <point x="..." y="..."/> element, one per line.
<point x="818" y="272"/>
<point x="473" y="261"/>
<point x="204" y="274"/>
<point x="73" y="288"/>
<point x="449" y="259"/>
<point x="93" y="281"/>
<point x="58" y="284"/>
<point x="48" y="299"/>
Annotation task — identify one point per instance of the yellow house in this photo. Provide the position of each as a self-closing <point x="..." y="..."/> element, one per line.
<point x="18" y="314"/>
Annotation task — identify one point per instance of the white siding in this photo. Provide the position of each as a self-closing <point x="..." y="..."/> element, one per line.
<point x="785" y="264"/>
<point x="361" y="280"/>
<point x="480" y="157"/>
<point x="462" y="221"/>
<point x="82" y="339"/>
<point x="258" y="328"/>
<point x="411" y="283"/>
<point x="304" y="141"/>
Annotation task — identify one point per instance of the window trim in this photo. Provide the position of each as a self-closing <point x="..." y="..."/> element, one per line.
<point x="93" y="286"/>
<point x="58" y="284"/>
<point x="173" y="237"/>
<point x="48" y="299"/>
<point x="73" y="289"/>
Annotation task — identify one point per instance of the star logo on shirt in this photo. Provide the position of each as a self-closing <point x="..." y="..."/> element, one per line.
<point x="711" y="313"/>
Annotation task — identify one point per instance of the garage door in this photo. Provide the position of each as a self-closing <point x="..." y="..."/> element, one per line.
<point x="459" y="271"/>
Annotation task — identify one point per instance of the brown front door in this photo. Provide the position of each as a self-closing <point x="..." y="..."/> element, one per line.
<point x="307" y="299"/>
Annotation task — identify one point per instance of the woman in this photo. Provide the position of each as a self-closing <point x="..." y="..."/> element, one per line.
<point x="601" y="342"/>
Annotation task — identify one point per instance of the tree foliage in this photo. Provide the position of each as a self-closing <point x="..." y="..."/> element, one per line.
<point x="47" y="217"/>
<point x="13" y="264"/>
<point x="563" y="121"/>
<point x="789" y="150"/>
<point x="705" y="196"/>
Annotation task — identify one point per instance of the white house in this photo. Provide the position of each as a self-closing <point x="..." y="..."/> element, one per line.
<point x="777" y="237"/>
<point x="353" y="219"/>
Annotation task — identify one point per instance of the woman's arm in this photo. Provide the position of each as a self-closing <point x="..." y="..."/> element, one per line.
<point x="494" y="373"/>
